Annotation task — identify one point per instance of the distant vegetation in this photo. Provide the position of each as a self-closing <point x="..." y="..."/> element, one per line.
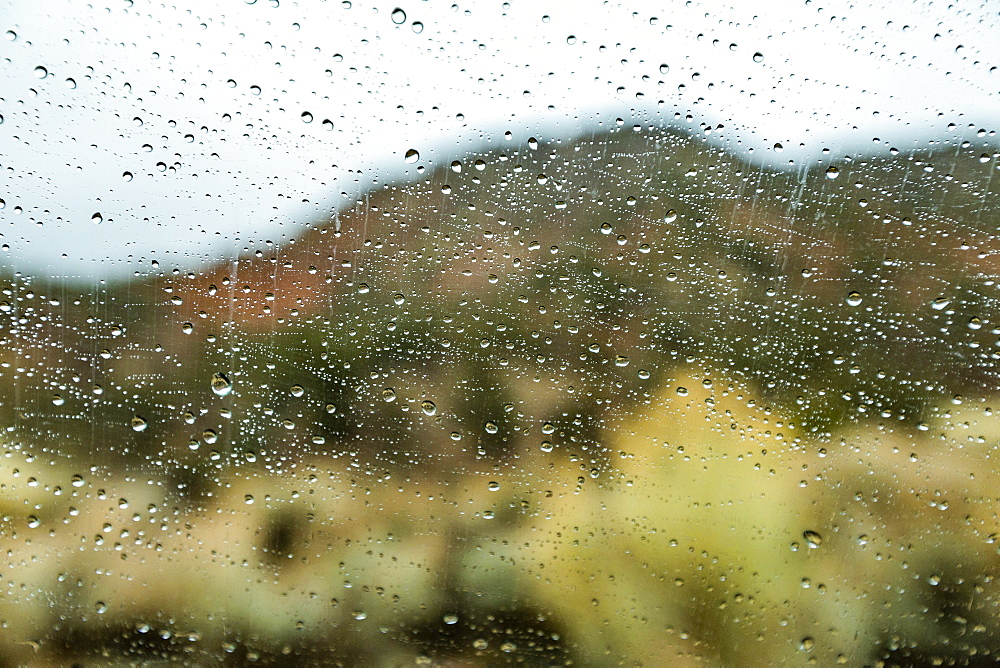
<point x="561" y="321"/>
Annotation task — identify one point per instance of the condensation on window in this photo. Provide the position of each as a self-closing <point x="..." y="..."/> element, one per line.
<point x="460" y="334"/>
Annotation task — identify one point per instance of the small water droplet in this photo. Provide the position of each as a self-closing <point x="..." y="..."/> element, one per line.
<point x="682" y="391"/>
<point x="532" y="143"/>
<point x="778" y="148"/>
<point x="934" y="580"/>
<point x="940" y="303"/>
<point x="398" y="16"/>
<point x="388" y="395"/>
<point x="806" y="644"/>
<point x="411" y="156"/>
<point x="832" y="172"/>
<point x="854" y="298"/>
<point x="670" y="216"/>
<point x="417" y="27"/>
<point x="41" y="72"/>
<point x="221" y="385"/>
<point x="398" y="299"/>
<point x="491" y="427"/>
<point x="428" y="407"/>
<point x="97" y="219"/>
<point x="621" y="360"/>
<point x="77" y="480"/>
<point x="71" y="83"/>
<point x="664" y="68"/>
<point x="327" y="124"/>
<point x="758" y="57"/>
<point x="139" y="423"/>
<point x="493" y="486"/>
<point x="297" y="390"/>
<point x="209" y="436"/>
<point x="359" y="615"/>
<point x="306" y="117"/>
<point x="33" y="522"/>
<point x="58" y="400"/>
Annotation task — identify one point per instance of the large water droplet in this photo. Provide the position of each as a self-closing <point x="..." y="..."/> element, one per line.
<point x="412" y="156"/>
<point x="398" y="16"/>
<point x="139" y="423"/>
<point x="832" y="172"/>
<point x="854" y="298"/>
<point x="813" y="539"/>
<point x="221" y="384"/>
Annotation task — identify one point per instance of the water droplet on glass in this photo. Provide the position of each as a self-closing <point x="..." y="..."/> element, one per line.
<point x="398" y="299"/>
<point x="832" y="172"/>
<point x="221" y="385"/>
<point x="209" y="436"/>
<point x="758" y="57"/>
<point x="493" y="486"/>
<point x="428" y="407"/>
<point x="670" y="216"/>
<point x="297" y="390"/>
<point x="813" y="539"/>
<point x="417" y="27"/>
<point x="97" y="219"/>
<point x="940" y="303"/>
<point x="388" y="395"/>
<point x="327" y="124"/>
<point x="70" y="83"/>
<point x="139" y="423"/>
<point x="77" y="480"/>
<point x="359" y="615"/>
<point x="664" y="68"/>
<point x="41" y="72"/>
<point x="806" y="644"/>
<point x="126" y="176"/>
<point x="532" y="143"/>
<point x="778" y="148"/>
<point x="682" y="391"/>
<point x="621" y="360"/>
<point x="854" y="298"/>
<point x="307" y="117"/>
<point x="398" y="16"/>
<point x="58" y="400"/>
<point x="412" y="156"/>
<point x="491" y="427"/>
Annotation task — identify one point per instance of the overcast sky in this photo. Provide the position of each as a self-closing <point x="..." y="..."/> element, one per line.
<point x="134" y="131"/>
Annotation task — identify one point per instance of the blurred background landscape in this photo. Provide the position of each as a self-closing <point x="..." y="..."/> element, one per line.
<point x="623" y="399"/>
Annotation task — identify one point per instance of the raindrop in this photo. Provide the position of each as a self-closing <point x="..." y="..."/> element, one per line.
<point x="854" y="298"/>
<point x="41" y="72"/>
<point x="664" y="68"/>
<point x="209" y="436"/>
<point x="682" y="391"/>
<point x="139" y="423"/>
<point x="940" y="303"/>
<point x="450" y="619"/>
<point x="493" y="486"/>
<point x="70" y="83"/>
<point x="388" y="395"/>
<point x="307" y="117"/>
<point x="832" y="172"/>
<point x="221" y="385"/>
<point x="97" y="219"/>
<point x="297" y="390"/>
<point x="327" y="124"/>
<point x="806" y="644"/>
<point x="126" y="176"/>
<point x="418" y="27"/>
<point x="398" y="16"/>
<point x="411" y="156"/>
<point x="813" y="539"/>
<point x="758" y="57"/>
<point x="532" y="143"/>
<point x="58" y="400"/>
<point x="491" y="427"/>
<point x="571" y="40"/>
<point x="428" y="407"/>
<point x="670" y="216"/>
<point x="778" y="148"/>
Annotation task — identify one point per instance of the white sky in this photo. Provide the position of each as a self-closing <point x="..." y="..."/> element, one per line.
<point x="165" y="92"/>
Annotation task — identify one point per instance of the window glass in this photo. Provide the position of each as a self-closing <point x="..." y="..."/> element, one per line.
<point x="348" y="333"/>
